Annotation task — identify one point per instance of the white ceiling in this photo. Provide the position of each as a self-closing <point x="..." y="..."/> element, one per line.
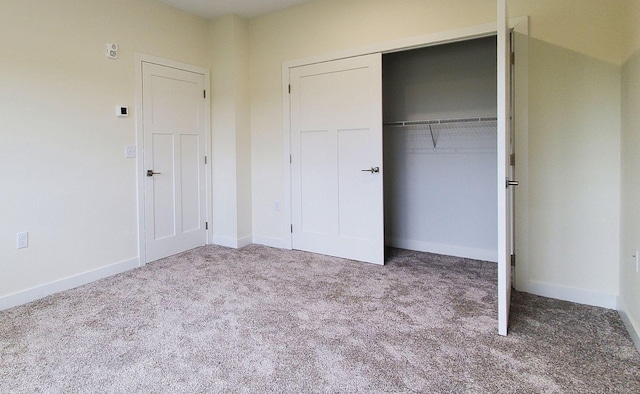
<point x="212" y="9"/>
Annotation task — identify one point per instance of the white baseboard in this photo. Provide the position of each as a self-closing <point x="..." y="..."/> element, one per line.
<point x="632" y="326"/>
<point x="224" y="241"/>
<point x="267" y="241"/>
<point x="41" y="291"/>
<point x="230" y="242"/>
<point x="449" y="250"/>
<point x="245" y="241"/>
<point x="580" y="296"/>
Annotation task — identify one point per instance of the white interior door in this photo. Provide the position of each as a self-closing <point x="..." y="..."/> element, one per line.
<point x="504" y="150"/>
<point x="173" y="107"/>
<point x="336" y="146"/>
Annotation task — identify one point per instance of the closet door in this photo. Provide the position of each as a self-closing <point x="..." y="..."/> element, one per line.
<point x="336" y="167"/>
<point x="504" y="183"/>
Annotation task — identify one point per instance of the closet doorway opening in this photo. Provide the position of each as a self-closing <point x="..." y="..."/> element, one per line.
<point x="440" y="149"/>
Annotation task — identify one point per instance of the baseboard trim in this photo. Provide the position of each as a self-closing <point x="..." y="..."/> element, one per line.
<point x="565" y="293"/>
<point x="632" y="327"/>
<point x="245" y="241"/>
<point x="268" y="241"/>
<point x="449" y="250"/>
<point x="41" y="291"/>
<point x="230" y="242"/>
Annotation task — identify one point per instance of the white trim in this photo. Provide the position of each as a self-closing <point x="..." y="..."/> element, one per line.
<point x="445" y="249"/>
<point x="519" y="24"/>
<point x="141" y="58"/>
<point x="521" y="137"/>
<point x="632" y="326"/>
<point x="230" y="242"/>
<point x="245" y="241"/>
<point x="286" y="124"/>
<point x="572" y="294"/>
<point x="41" y="291"/>
<point x="224" y="241"/>
<point x="272" y="242"/>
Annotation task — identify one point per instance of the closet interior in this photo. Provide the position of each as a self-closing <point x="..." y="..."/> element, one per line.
<point x="440" y="156"/>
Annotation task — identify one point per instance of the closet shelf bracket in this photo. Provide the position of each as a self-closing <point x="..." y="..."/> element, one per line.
<point x="433" y="138"/>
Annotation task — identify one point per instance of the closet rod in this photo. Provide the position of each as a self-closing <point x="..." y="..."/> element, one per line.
<point x="439" y="121"/>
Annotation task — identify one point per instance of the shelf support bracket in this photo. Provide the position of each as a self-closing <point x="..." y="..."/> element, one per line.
<point x="433" y="139"/>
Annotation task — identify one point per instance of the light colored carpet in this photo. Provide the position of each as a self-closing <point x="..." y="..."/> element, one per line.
<point x="262" y="320"/>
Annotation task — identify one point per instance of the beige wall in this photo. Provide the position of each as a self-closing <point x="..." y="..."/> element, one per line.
<point x="231" y="137"/>
<point x="573" y="180"/>
<point x="589" y="27"/>
<point x="573" y="128"/>
<point x="630" y="182"/>
<point x="62" y="166"/>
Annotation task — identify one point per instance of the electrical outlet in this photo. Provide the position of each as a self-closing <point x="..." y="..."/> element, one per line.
<point x="23" y="240"/>
<point x="130" y="151"/>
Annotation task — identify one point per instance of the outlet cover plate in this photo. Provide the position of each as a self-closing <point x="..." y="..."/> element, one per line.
<point x="130" y="151"/>
<point x="23" y="240"/>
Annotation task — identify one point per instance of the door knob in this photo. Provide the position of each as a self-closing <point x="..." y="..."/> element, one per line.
<point x="373" y="170"/>
<point x="151" y="173"/>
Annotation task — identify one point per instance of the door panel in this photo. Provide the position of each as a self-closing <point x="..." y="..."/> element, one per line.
<point x="353" y="151"/>
<point x="504" y="150"/>
<point x="174" y="133"/>
<point x="191" y="161"/>
<point x="316" y="188"/>
<point x="336" y="132"/>
<point x="164" y="203"/>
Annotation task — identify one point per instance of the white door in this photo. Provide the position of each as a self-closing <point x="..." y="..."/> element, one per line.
<point x="173" y="108"/>
<point x="336" y="170"/>
<point x="504" y="183"/>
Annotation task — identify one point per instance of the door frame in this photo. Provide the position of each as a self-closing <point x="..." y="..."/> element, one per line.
<point x="140" y="59"/>
<point x="519" y="25"/>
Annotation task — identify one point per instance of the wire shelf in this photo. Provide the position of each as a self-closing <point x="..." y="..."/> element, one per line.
<point x="447" y="135"/>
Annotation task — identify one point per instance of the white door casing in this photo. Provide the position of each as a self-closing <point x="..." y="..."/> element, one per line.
<point x="336" y="158"/>
<point x="174" y="122"/>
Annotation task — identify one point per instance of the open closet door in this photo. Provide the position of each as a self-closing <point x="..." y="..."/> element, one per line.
<point x="336" y="158"/>
<point x="504" y="183"/>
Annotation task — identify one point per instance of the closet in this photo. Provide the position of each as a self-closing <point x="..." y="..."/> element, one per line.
<point x="440" y="149"/>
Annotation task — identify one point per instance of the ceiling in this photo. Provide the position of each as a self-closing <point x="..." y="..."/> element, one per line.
<point x="212" y="9"/>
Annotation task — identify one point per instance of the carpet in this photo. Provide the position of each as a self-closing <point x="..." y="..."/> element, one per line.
<point x="265" y="320"/>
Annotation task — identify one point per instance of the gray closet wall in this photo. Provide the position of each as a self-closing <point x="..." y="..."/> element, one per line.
<point x="440" y="178"/>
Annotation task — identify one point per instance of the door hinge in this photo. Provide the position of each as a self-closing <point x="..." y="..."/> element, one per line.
<point x="513" y="260"/>
<point x="513" y="58"/>
<point x="290" y="159"/>
<point x="292" y="229"/>
<point x="204" y="94"/>
<point x="512" y="159"/>
<point x="205" y="160"/>
<point x="289" y="88"/>
<point x="206" y="225"/>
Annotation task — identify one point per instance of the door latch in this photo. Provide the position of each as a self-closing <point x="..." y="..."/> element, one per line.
<point x="373" y="170"/>
<point x="512" y="183"/>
